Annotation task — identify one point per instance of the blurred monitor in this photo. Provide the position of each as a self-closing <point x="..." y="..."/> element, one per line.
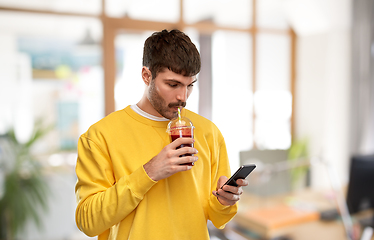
<point x="360" y="195"/>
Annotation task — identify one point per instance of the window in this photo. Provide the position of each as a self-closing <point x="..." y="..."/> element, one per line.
<point x="51" y="69"/>
<point x="251" y="80"/>
<point x="232" y="106"/>
<point x="273" y="97"/>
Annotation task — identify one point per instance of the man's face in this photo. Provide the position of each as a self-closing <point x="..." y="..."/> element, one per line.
<point x="168" y="91"/>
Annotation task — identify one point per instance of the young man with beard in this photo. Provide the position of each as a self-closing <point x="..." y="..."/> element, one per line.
<point x="132" y="184"/>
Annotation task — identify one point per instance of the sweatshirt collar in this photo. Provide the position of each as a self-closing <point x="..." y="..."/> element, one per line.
<point x="145" y="120"/>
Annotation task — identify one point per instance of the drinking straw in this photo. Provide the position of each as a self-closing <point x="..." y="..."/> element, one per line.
<point x="179" y="114"/>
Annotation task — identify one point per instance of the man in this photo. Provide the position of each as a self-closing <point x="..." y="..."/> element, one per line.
<point x="132" y="183"/>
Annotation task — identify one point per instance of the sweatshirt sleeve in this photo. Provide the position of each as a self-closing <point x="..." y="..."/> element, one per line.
<point x="102" y="202"/>
<point x="220" y="214"/>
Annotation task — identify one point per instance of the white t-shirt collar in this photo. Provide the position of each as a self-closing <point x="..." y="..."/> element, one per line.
<point x="147" y="115"/>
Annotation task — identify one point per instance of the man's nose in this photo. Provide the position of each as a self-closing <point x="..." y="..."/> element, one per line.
<point x="182" y="94"/>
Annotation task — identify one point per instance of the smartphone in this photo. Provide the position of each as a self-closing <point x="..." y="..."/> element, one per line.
<point x="241" y="173"/>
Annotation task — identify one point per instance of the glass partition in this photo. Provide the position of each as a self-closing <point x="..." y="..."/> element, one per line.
<point x="161" y="10"/>
<point x="129" y="86"/>
<point x="273" y="98"/>
<point x="232" y="90"/>
<point x="54" y="75"/>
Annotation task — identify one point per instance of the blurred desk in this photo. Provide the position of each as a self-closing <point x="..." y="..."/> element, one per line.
<point x="296" y="216"/>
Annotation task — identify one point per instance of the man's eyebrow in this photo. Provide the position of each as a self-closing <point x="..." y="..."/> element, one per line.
<point x="194" y="81"/>
<point x="176" y="81"/>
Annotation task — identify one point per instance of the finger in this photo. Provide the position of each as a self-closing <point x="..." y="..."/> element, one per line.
<point x="232" y="189"/>
<point x="182" y="168"/>
<point x="186" y="160"/>
<point x="242" y="182"/>
<point x="179" y="168"/>
<point x="228" y="195"/>
<point x="186" y="150"/>
<point x="223" y="200"/>
<point x="222" y="180"/>
<point x="179" y="141"/>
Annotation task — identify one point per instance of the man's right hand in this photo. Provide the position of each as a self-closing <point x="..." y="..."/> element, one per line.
<point x="168" y="162"/>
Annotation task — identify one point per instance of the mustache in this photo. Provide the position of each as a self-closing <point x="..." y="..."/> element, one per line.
<point x="177" y="104"/>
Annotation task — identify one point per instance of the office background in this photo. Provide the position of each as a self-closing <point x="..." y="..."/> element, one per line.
<point x="274" y="73"/>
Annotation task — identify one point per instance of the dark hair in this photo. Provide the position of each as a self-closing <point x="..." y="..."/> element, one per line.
<point x="172" y="50"/>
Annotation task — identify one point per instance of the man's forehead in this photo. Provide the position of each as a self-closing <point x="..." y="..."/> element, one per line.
<point x="170" y="75"/>
<point x="183" y="73"/>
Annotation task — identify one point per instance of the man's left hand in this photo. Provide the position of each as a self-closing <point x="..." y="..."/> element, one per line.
<point x="229" y="195"/>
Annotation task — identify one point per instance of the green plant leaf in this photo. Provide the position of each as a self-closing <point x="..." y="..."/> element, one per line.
<point x="298" y="152"/>
<point x="25" y="189"/>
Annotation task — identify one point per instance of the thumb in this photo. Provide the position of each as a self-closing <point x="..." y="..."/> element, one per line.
<point x="221" y="181"/>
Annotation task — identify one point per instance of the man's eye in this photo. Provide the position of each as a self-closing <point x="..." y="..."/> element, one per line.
<point x="173" y="85"/>
<point x="190" y="86"/>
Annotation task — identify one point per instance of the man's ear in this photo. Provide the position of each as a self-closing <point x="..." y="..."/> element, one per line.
<point x="146" y="75"/>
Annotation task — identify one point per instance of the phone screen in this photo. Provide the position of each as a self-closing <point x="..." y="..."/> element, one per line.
<point x="241" y="173"/>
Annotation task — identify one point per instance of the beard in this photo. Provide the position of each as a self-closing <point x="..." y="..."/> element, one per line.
<point x="160" y="105"/>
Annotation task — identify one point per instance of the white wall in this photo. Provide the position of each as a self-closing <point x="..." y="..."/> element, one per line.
<point x="323" y="80"/>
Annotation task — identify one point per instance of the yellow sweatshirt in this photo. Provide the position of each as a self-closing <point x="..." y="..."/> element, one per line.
<point x="116" y="198"/>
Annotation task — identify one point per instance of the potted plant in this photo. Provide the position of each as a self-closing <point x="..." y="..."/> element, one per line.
<point x="298" y="157"/>
<point x="23" y="189"/>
